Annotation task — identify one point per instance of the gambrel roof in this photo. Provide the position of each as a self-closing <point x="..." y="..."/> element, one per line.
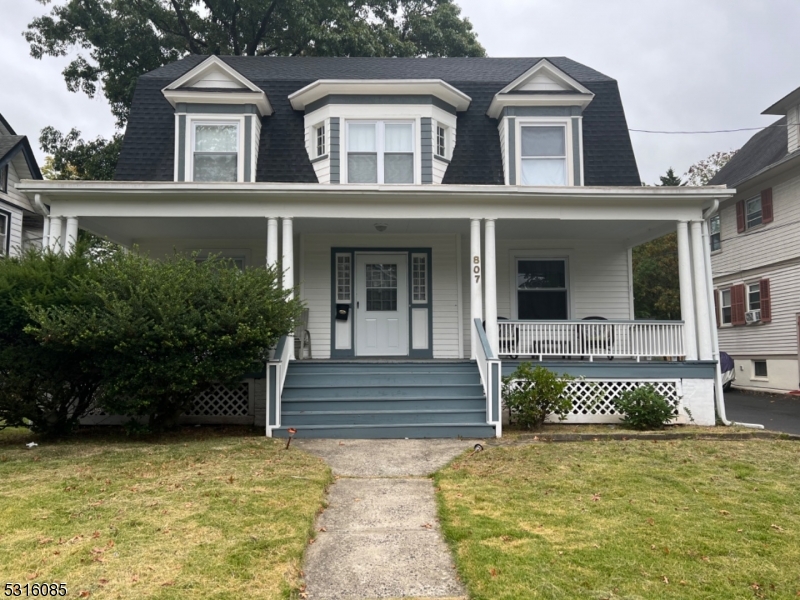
<point x="149" y="146"/>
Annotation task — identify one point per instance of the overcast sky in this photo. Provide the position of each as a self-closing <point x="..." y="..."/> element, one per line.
<point x="681" y="65"/>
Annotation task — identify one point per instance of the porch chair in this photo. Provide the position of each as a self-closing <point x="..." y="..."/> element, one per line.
<point x="597" y="343"/>
<point x="302" y="337"/>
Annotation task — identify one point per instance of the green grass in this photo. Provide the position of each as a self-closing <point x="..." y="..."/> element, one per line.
<point x="636" y="519"/>
<point x="202" y="513"/>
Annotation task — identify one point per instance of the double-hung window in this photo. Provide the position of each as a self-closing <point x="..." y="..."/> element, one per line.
<point x="715" y="236"/>
<point x="543" y="155"/>
<point x="5" y="225"/>
<point x="754" y="296"/>
<point x="725" y="307"/>
<point x="753" y="212"/>
<point x="380" y="152"/>
<point x="542" y="289"/>
<point x="215" y="151"/>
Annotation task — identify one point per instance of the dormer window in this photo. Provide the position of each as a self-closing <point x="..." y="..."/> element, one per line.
<point x="215" y="155"/>
<point x="543" y="155"/>
<point x="441" y="140"/>
<point x="320" y="137"/>
<point x="380" y="152"/>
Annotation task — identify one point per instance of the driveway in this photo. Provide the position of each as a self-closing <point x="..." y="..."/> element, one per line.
<point x="774" y="412"/>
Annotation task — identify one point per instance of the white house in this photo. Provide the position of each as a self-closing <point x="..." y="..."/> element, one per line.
<point x="20" y="222"/>
<point x="410" y="202"/>
<point x="756" y="254"/>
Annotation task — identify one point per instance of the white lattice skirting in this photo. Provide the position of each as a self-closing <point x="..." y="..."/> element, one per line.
<point x="217" y="405"/>
<point x="593" y="399"/>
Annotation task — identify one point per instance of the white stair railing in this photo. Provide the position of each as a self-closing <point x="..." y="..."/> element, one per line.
<point x="490" y="369"/>
<point x="277" y="367"/>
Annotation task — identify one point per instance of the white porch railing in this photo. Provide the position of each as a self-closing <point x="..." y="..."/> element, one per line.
<point x="591" y="339"/>
<point x="491" y="378"/>
<point x="277" y="367"/>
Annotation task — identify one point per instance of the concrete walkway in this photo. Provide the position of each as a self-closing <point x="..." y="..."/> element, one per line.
<point x="379" y="536"/>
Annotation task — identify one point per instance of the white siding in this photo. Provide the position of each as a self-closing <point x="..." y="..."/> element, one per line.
<point x="439" y="169"/>
<point x="599" y="281"/>
<point x="772" y="243"/>
<point x="768" y="339"/>
<point x="322" y="167"/>
<point x="12" y="196"/>
<point x="316" y="285"/>
<point x="793" y="122"/>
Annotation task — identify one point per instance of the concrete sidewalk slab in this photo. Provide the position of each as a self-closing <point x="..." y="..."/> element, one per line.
<point x="379" y="504"/>
<point x="385" y="458"/>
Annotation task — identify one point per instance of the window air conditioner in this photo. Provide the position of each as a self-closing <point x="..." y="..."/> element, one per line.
<point x="752" y="316"/>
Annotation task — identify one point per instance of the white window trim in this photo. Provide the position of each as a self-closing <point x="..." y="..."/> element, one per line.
<point x="566" y="122"/>
<point x="722" y="323"/>
<point x="753" y="376"/>
<point x="756" y="285"/>
<point x="379" y="144"/>
<point x="350" y="262"/>
<point x="315" y="142"/>
<point x="424" y="257"/>
<point x="447" y="144"/>
<point x="5" y="236"/>
<point x="718" y="216"/>
<point x="203" y="119"/>
<point x="747" y="226"/>
<point x="518" y="255"/>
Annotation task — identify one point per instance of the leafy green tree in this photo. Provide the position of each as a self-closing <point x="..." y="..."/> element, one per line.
<point x="70" y="157"/>
<point x="47" y="388"/>
<point x="165" y="331"/>
<point x="703" y="171"/>
<point x="127" y="38"/>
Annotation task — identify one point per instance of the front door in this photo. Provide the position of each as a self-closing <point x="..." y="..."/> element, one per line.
<point x="381" y="305"/>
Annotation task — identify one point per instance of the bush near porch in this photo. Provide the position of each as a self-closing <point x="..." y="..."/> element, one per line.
<point x="636" y="519"/>
<point x="201" y="513"/>
<point x="131" y="335"/>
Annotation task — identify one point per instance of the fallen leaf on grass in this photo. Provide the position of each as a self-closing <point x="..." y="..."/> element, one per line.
<point x="167" y="583"/>
<point x="43" y="541"/>
<point x="724" y="512"/>
<point x="322" y="529"/>
<point x="32" y="576"/>
<point x="84" y="594"/>
<point x="493" y="572"/>
<point x="102" y="581"/>
<point x="596" y="497"/>
<point x="665" y="579"/>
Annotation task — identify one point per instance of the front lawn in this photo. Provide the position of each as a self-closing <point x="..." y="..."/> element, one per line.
<point x="635" y="519"/>
<point x="203" y="513"/>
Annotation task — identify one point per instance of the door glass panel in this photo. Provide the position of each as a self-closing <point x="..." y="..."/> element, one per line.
<point x="381" y="284"/>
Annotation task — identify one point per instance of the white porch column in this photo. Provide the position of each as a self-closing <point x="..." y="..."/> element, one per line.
<point x="490" y="285"/>
<point x="56" y="242"/>
<point x="687" y="293"/>
<point x="288" y="271"/>
<point x="704" y="347"/>
<point x="272" y="242"/>
<point x="476" y="281"/>
<point x="46" y="233"/>
<point x="71" y="235"/>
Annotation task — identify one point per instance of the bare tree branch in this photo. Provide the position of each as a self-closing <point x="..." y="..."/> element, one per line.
<point x="187" y="34"/>
<point x="262" y="30"/>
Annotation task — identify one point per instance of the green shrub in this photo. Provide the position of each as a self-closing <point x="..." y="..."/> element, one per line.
<point x="164" y="331"/>
<point x="530" y="394"/>
<point x="48" y="388"/>
<point x="644" y="408"/>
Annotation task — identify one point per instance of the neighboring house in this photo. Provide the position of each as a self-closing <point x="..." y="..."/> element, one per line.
<point x="442" y="219"/>
<point x="756" y="254"/>
<point x="20" y="223"/>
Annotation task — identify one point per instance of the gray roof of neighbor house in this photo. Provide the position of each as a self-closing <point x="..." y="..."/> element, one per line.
<point x="149" y="145"/>
<point x="11" y="146"/>
<point x="766" y="149"/>
<point x="4" y="125"/>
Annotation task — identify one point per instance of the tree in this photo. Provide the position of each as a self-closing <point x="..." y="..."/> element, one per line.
<point x="70" y="157"/>
<point x="702" y="172"/>
<point x="128" y="38"/>
<point x="670" y="179"/>
<point x="164" y="331"/>
<point x="47" y="388"/>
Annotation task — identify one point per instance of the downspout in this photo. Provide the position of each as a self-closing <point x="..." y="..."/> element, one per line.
<point x="718" y="394"/>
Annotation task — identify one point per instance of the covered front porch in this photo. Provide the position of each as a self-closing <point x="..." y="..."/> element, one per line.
<point x="492" y="277"/>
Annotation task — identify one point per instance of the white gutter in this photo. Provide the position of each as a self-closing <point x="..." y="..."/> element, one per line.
<point x="718" y="392"/>
<point x="40" y="206"/>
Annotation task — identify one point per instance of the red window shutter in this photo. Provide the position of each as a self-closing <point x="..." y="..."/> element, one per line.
<point x="766" y="206"/>
<point x="716" y="307"/>
<point x="766" y="301"/>
<point x="737" y="305"/>
<point x="740" y="225"/>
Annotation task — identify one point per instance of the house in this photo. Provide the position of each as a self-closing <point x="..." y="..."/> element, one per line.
<point x="20" y="222"/>
<point x="442" y="219"/>
<point x="755" y="255"/>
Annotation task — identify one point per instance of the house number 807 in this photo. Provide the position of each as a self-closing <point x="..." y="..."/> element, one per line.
<point x="476" y="270"/>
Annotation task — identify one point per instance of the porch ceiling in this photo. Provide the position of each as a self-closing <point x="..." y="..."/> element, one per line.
<point x="128" y="230"/>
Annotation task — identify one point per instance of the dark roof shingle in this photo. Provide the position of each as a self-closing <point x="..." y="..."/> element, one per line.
<point x="766" y="148"/>
<point x="148" y="147"/>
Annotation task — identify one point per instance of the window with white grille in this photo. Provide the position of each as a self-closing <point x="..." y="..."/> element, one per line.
<point x="320" y="131"/>
<point x="419" y="278"/>
<point x="344" y="278"/>
<point x="441" y="141"/>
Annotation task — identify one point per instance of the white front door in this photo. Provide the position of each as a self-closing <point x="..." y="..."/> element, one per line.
<point x="381" y="305"/>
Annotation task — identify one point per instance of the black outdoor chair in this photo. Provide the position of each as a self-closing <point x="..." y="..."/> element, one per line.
<point x="597" y="343"/>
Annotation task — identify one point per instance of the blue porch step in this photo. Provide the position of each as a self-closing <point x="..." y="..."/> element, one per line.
<point x="384" y="399"/>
